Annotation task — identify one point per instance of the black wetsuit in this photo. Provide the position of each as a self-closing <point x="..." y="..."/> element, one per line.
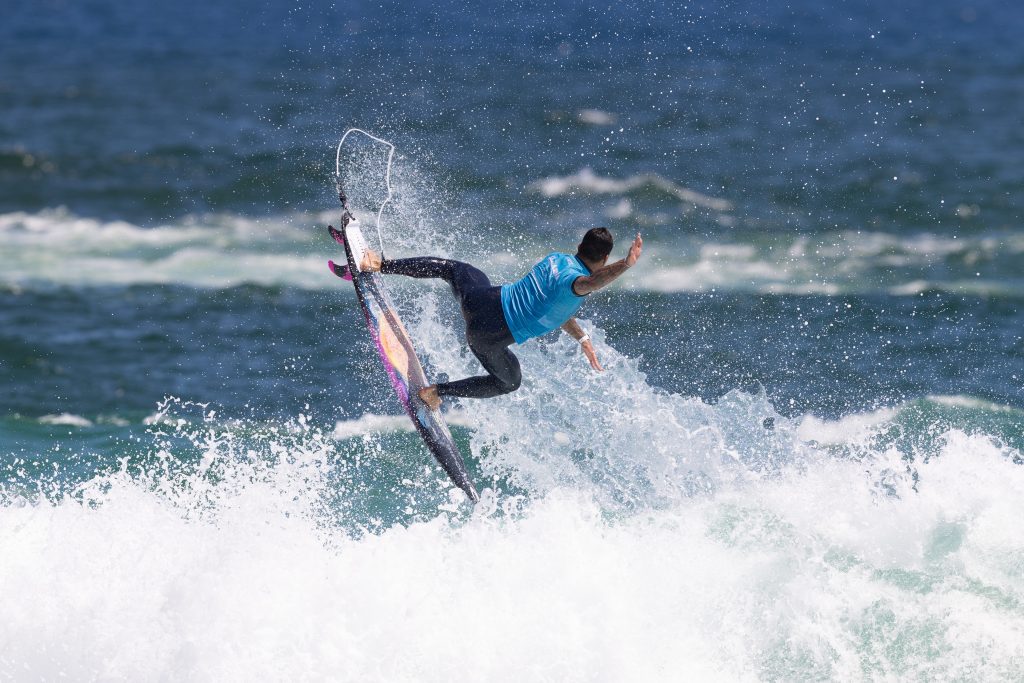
<point x="486" y="330"/>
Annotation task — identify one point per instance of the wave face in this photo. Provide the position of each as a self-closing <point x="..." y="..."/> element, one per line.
<point x="865" y="547"/>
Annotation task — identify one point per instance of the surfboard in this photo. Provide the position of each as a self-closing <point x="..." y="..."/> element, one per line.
<point x="396" y="351"/>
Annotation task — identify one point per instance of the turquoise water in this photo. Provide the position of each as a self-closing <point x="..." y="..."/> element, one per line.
<point x="802" y="463"/>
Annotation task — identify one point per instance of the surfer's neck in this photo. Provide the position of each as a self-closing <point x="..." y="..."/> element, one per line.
<point x="591" y="265"/>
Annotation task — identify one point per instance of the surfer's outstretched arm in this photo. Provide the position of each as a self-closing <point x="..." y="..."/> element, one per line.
<point x="605" y="275"/>
<point x="573" y="329"/>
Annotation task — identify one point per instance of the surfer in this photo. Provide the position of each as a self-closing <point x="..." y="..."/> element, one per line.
<point x="497" y="317"/>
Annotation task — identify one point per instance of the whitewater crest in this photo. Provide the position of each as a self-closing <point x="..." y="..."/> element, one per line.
<point x="208" y="251"/>
<point x="229" y="549"/>
<point x="587" y="181"/>
<point x="224" y="251"/>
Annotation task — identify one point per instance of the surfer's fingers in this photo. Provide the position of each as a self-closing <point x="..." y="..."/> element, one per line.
<point x="635" y="249"/>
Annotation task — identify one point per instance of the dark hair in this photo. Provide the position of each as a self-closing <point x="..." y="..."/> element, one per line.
<point x="596" y="244"/>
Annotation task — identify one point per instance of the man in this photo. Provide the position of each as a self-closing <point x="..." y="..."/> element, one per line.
<point x="497" y="317"/>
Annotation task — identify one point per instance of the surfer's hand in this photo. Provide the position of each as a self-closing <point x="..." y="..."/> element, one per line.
<point x="634" y="251"/>
<point x="588" y="351"/>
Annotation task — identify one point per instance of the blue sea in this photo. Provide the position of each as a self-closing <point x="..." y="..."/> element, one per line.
<point x="805" y="458"/>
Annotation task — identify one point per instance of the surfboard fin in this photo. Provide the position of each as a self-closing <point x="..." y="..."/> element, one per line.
<point x="338" y="236"/>
<point x="353" y="242"/>
<point x="341" y="271"/>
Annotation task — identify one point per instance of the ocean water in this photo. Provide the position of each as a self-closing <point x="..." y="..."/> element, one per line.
<point x="805" y="459"/>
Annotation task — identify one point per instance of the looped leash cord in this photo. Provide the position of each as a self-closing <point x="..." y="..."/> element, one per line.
<point x="387" y="177"/>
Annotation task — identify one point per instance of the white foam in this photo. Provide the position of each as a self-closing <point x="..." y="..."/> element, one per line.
<point x="113" y="420"/>
<point x="623" y="209"/>
<point x="65" y="419"/>
<point x="370" y="424"/>
<point x="972" y="402"/>
<point x="596" y="117"/>
<point x="911" y="288"/>
<point x="858" y="428"/>
<point x="589" y="182"/>
<point x="849" y="429"/>
<point x="213" y="251"/>
<point x="719" y="273"/>
<point x="374" y="424"/>
<point x="811" y="572"/>
<point x="830" y="264"/>
<point x="56" y="247"/>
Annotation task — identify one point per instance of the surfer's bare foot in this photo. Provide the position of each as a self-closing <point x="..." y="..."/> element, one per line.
<point x="371" y="262"/>
<point x="430" y="396"/>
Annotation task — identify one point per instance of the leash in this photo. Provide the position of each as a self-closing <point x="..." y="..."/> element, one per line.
<point x="347" y="215"/>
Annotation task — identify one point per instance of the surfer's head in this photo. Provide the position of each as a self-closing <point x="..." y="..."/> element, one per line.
<point x="596" y="246"/>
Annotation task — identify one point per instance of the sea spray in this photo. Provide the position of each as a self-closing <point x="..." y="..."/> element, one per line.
<point x="817" y="571"/>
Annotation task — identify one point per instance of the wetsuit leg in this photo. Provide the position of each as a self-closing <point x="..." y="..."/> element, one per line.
<point x="486" y="330"/>
<point x="489" y="338"/>
<point x="504" y="375"/>
<point x="462" y="277"/>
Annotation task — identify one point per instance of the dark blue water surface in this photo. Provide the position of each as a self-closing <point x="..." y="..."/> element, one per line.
<point x="802" y="113"/>
<point x="838" y="121"/>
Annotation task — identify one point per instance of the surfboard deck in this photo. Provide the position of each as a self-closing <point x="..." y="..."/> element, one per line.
<point x="396" y="351"/>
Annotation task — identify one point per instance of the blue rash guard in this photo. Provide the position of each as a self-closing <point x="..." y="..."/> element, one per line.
<point x="543" y="299"/>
